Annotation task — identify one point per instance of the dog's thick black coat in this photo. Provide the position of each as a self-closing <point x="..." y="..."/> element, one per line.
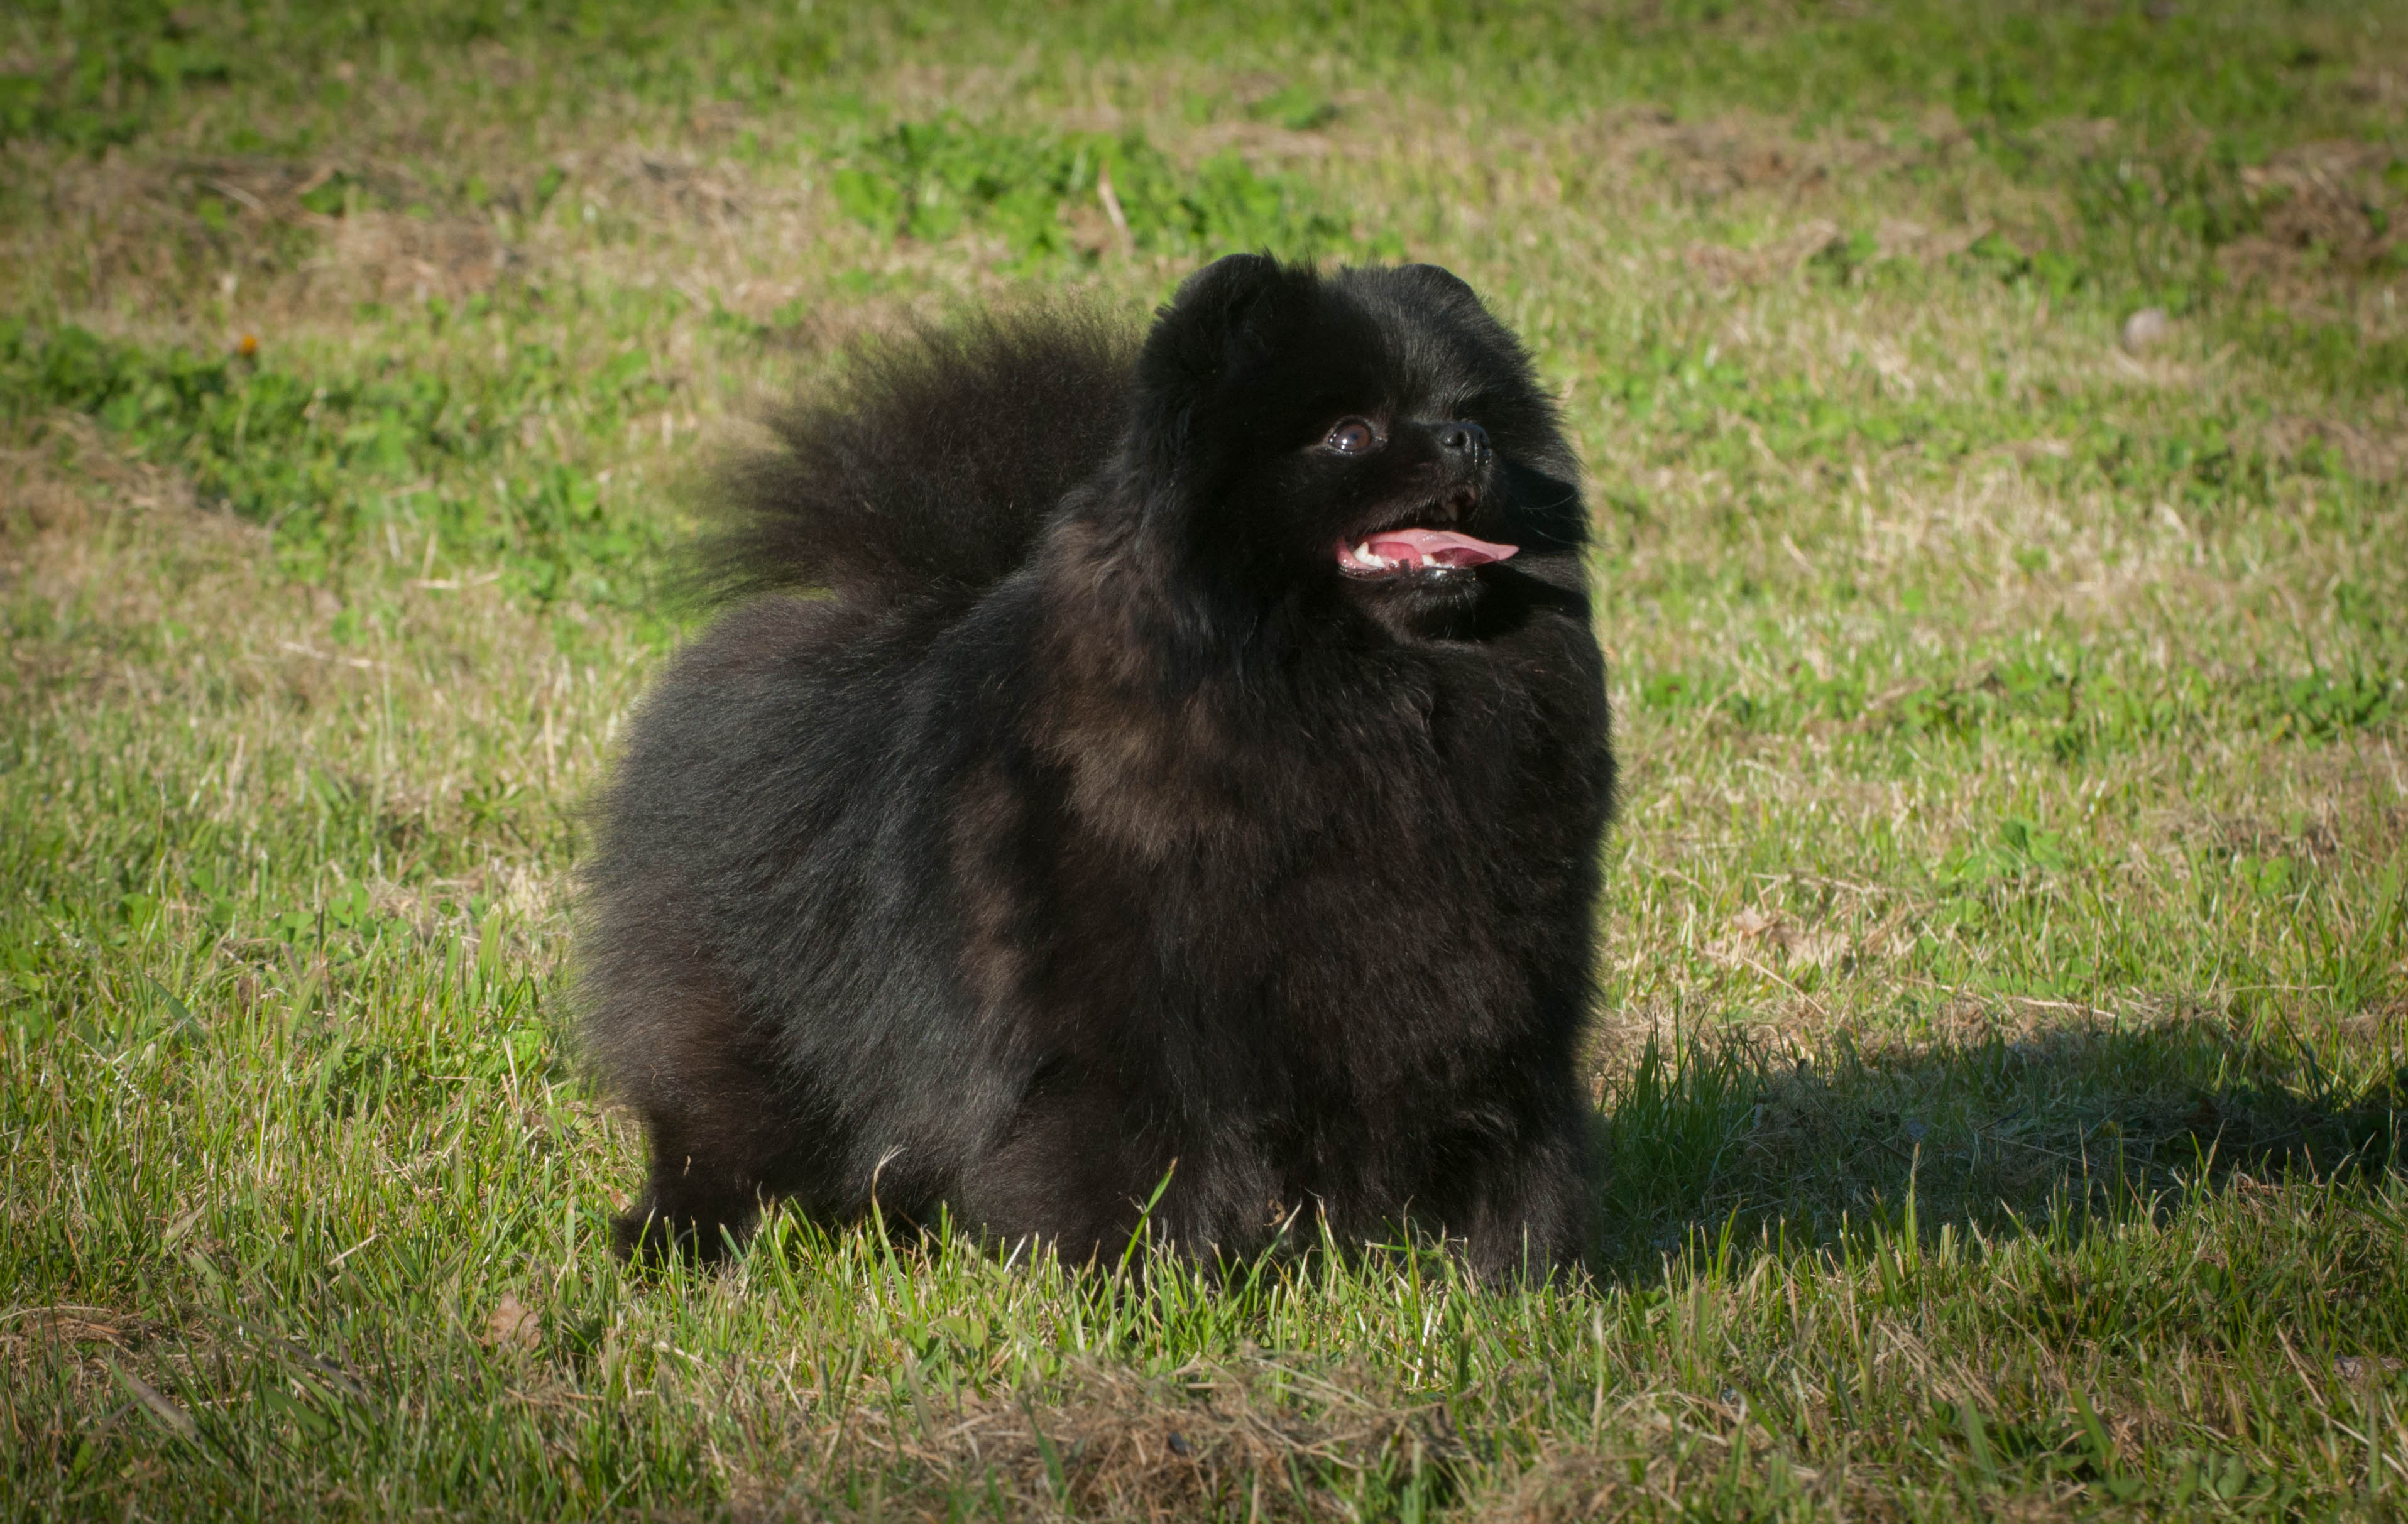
<point x="1069" y="808"/>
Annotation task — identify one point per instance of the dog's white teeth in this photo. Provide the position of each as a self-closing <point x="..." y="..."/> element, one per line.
<point x="1362" y="555"/>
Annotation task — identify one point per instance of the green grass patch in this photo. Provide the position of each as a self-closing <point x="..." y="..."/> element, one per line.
<point x="329" y="460"/>
<point x="928" y="180"/>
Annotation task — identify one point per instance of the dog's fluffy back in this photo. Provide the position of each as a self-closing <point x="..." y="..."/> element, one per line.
<point x="759" y="854"/>
<point x="928" y="466"/>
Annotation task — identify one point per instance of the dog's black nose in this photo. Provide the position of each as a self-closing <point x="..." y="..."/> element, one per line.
<point x="1467" y="440"/>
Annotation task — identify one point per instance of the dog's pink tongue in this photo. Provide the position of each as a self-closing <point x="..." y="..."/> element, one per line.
<point x="1437" y="548"/>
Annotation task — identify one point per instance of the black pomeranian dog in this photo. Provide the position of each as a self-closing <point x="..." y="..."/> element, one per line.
<point x="1149" y="789"/>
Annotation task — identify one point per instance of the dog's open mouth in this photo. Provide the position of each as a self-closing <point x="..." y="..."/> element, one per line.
<point x="1392" y="552"/>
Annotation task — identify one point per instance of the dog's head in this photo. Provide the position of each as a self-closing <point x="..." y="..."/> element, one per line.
<point x="1371" y="438"/>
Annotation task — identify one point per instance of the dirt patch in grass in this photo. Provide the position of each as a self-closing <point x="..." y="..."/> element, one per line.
<point x="390" y="257"/>
<point x="2326" y="207"/>
<point x="1252" y="1439"/>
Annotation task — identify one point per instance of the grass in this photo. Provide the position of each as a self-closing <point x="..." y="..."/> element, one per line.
<point x="2004" y="1045"/>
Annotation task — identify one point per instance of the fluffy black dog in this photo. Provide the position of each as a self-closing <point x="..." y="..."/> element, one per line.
<point x="1184" y="764"/>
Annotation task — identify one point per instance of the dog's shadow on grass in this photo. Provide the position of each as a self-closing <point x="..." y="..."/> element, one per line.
<point x="2052" y="1128"/>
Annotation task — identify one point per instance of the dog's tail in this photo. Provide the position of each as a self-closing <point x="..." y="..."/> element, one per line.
<point x="929" y="466"/>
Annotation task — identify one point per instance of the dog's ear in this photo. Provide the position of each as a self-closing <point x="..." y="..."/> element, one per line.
<point x="1433" y="291"/>
<point x="1221" y="323"/>
<point x="1439" y="282"/>
<point x="1221" y="317"/>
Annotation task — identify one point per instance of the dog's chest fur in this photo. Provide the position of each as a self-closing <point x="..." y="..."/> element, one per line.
<point x="1327" y="885"/>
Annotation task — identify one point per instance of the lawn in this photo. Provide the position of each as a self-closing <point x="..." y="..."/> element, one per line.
<point x="1995" y="421"/>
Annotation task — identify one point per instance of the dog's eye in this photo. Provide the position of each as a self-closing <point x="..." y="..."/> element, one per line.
<point x="1353" y="436"/>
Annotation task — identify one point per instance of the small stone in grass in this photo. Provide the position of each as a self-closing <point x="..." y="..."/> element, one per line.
<point x="513" y="1325"/>
<point x="2147" y="329"/>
